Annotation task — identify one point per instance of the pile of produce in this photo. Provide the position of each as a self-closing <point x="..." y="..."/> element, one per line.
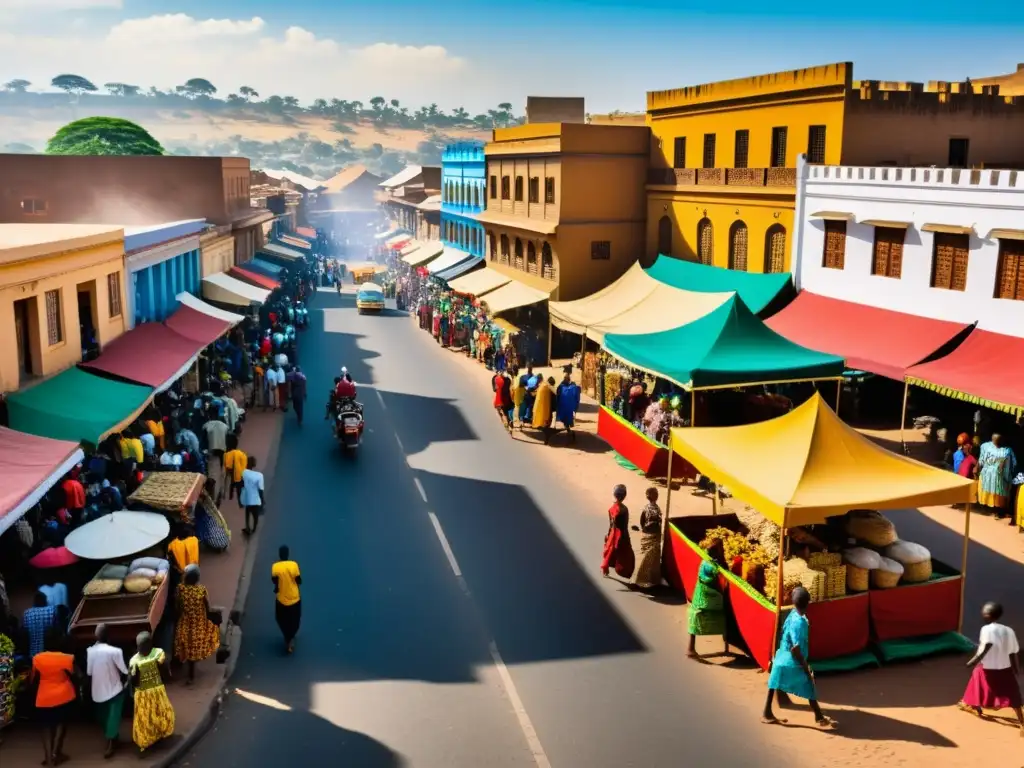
<point x="795" y="573"/>
<point x="882" y="561"/>
<point x="762" y="530"/>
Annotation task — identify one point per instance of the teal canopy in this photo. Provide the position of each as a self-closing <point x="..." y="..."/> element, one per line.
<point x="728" y="346"/>
<point x="756" y="289"/>
<point x="76" y="405"/>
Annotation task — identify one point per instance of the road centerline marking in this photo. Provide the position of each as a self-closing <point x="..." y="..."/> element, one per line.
<point x="445" y="545"/>
<point x="380" y="397"/>
<point x="419" y="487"/>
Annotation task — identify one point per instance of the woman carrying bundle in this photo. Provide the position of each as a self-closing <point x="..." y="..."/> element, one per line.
<point x="707" y="609"/>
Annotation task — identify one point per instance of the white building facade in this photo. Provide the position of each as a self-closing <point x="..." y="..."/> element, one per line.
<point x="935" y="242"/>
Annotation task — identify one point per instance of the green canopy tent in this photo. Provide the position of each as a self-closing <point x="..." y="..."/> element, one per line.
<point x="728" y="347"/>
<point x="76" y="405"/>
<point x="759" y="291"/>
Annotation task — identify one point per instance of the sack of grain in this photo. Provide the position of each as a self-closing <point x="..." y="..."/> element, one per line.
<point x="100" y="587"/>
<point x="860" y="557"/>
<point x="137" y="584"/>
<point x="907" y="553"/>
<point x="824" y="560"/>
<point x="870" y="527"/>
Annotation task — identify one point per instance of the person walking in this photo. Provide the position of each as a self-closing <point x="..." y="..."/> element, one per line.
<point x="542" y="408"/>
<point x="235" y="463"/>
<point x="567" y="402"/>
<point x="618" y="551"/>
<point x="298" y="391"/>
<point x="287" y="579"/>
<point x="502" y="386"/>
<point x="54" y="674"/>
<point x="154" y="716"/>
<point x="996" y="666"/>
<point x="196" y="638"/>
<point x="104" y="664"/>
<point x="251" y="496"/>
<point x="707" y="609"/>
<point x="648" y="573"/>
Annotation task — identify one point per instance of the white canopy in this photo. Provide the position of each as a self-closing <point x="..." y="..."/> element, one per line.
<point x="480" y="282"/>
<point x="424" y="253"/>
<point x="119" y="534"/>
<point x="190" y="301"/>
<point x="449" y="258"/>
<point x="512" y="295"/>
<point x="282" y="250"/>
<point x="227" y="290"/>
<point x="635" y="303"/>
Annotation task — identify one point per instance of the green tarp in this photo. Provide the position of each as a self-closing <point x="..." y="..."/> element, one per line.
<point x="75" y="405"/>
<point x="756" y="289"/>
<point x="730" y="345"/>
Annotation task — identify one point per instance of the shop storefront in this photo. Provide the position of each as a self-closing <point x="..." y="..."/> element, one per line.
<point x="161" y="262"/>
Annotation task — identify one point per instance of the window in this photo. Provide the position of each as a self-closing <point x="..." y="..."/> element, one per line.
<point x="519" y="254"/>
<point x="709" y="150"/>
<point x="779" y="147"/>
<point x="504" y="248"/>
<point x="476" y="197"/>
<point x="519" y="189"/>
<point x="958" y="152"/>
<point x="742" y="152"/>
<point x="54" y="320"/>
<point x="834" y="252"/>
<point x="601" y="250"/>
<point x="775" y="248"/>
<point x="492" y="244"/>
<point x="547" y="262"/>
<point x="679" y="153"/>
<point x="531" y="258"/>
<point x="33" y="206"/>
<point x="705" y="241"/>
<point x="665" y="236"/>
<point x="534" y="189"/>
<point x="888" y="261"/>
<point x="738" y="246"/>
<point x="816" y="144"/>
<point x="549" y="190"/>
<point x="1010" y="273"/>
<point x="114" y="294"/>
<point x="494" y="187"/>
<point x="506" y="188"/>
<point x="949" y="261"/>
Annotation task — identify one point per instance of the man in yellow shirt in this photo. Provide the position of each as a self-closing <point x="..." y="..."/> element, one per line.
<point x="288" y="607"/>
<point x="235" y="463"/>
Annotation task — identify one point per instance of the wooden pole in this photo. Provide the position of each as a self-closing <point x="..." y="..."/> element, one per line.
<point x="693" y="407"/>
<point x="903" y="415"/>
<point x="963" y="566"/>
<point x="778" y="590"/>
<point x="668" y="503"/>
<point x="839" y="394"/>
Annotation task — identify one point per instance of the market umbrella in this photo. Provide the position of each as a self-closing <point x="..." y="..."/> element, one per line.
<point x="54" y="557"/>
<point x="118" y="534"/>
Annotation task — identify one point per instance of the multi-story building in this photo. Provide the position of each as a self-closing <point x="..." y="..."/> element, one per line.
<point x="722" y="183"/>
<point x="401" y="195"/>
<point x="565" y="204"/>
<point x="463" y="196"/>
<point x="161" y="262"/>
<point x="61" y="295"/>
<point x="134" y="191"/>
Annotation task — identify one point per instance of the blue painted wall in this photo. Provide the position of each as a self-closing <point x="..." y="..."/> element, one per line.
<point x="463" y="196"/>
<point x="155" y="287"/>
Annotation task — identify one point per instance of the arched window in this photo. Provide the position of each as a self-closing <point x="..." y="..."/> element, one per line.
<point x="519" y="254"/>
<point x="705" y="242"/>
<point x="519" y="189"/>
<point x="665" y="235"/>
<point x="738" y="247"/>
<point x="492" y="246"/>
<point x="547" y="262"/>
<point x="504" y="248"/>
<point x="531" y="258"/>
<point x="476" y="197"/>
<point x="775" y="249"/>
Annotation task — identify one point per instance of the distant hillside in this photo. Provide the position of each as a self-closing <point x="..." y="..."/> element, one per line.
<point x="316" y="140"/>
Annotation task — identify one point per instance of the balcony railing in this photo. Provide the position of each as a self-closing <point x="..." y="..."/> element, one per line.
<point x="723" y="177"/>
<point x="548" y="272"/>
<point x="531" y="267"/>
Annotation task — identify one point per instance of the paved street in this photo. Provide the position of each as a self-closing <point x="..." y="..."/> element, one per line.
<point x="454" y="612"/>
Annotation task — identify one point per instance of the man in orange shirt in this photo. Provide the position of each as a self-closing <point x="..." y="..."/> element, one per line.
<point x="235" y="463"/>
<point x="54" y="673"/>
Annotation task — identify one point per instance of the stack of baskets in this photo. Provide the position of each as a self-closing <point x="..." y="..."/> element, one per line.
<point x="795" y="573"/>
<point x="835" y="572"/>
<point x="888" y="575"/>
<point x="915" y="559"/>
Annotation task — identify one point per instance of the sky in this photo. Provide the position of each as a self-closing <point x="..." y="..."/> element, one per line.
<point x="476" y="54"/>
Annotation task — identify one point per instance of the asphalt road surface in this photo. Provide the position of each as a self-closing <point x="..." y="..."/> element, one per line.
<point x="454" y="614"/>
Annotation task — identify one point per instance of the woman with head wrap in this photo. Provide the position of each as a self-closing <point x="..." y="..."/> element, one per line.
<point x="648" y="573"/>
<point x="958" y="456"/>
<point x="707" y="608"/>
<point x="154" y="715"/>
<point x="618" y="551"/>
<point x="196" y="638"/>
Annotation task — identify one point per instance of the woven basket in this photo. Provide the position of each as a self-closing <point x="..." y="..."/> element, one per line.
<point x="169" y="491"/>
<point x="835" y="581"/>
<point x="916" y="573"/>
<point x="815" y="582"/>
<point x="856" y="578"/>
<point x="824" y="560"/>
<point x="881" y="579"/>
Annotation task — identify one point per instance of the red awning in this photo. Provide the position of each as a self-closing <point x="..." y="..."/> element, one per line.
<point x="400" y="244"/>
<point x="150" y="354"/>
<point x="29" y="467"/>
<point x="254" y="278"/>
<point x="987" y="369"/>
<point x="197" y="326"/>
<point x="870" y="339"/>
<point x="306" y="231"/>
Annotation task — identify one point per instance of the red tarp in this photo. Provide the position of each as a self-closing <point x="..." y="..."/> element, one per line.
<point x="254" y="279"/>
<point x="196" y="325"/>
<point x="987" y="366"/>
<point x="306" y="231"/>
<point x="26" y="463"/>
<point x="870" y="339"/>
<point x="150" y="354"/>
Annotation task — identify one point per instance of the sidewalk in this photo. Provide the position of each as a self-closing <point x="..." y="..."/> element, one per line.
<point x="196" y="706"/>
<point x="899" y="715"/>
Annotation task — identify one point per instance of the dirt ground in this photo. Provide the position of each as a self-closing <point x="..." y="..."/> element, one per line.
<point x="900" y="715"/>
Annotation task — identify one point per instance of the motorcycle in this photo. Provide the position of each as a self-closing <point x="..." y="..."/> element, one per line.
<point x="348" y="424"/>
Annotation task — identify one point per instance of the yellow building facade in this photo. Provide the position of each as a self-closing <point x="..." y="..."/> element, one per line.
<point x="217" y="246"/>
<point x="53" y="279"/>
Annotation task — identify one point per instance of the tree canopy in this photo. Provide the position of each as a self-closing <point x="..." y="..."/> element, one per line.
<point x="103" y="136"/>
<point x="73" y="84"/>
<point x="196" y="87"/>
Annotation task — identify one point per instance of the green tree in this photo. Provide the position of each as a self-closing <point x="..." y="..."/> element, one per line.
<point x="73" y="85"/>
<point x="275" y="104"/>
<point x="103" y="136"/>
<point x="197" y="87"/>
<point x="248" y="93"/>
<point x="291" y="104"/>
<point x="16" y="86"/>
<point x="377" y="105"/>
<point x="122" y="89"/>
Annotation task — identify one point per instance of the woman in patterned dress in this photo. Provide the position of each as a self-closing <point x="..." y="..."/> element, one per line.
<point x="154" y="715"/>
<point x="197" y="638"/>
<point x="648" y="572"/>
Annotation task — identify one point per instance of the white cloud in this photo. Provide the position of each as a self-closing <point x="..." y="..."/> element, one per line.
<point x="168" y="49"/>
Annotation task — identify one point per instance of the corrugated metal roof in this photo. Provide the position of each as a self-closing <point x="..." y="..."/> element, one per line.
<point x="295" y="178"/>
<point x="405" y="175"/>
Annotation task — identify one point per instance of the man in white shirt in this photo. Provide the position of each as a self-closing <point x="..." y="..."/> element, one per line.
<point x="993" y="683"/>
<point x="251" y="496"/>
<point x="106" y="669"/>
<point x="273" y="377"/>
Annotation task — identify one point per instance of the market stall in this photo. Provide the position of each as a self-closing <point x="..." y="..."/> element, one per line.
<point x="199" y="321"/>
<point x="151" y="354"/>
<point x="813" y="484"/>
<point x="762" y="292"/>
<point x="248" y="274"/>
<point x="29" y="466"/>
<point x="423" y="253"/>
<point x="479" y="283"/>
<point x="225" y="289"/>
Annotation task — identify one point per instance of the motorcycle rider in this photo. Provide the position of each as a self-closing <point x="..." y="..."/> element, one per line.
<point x="345" y="389"/>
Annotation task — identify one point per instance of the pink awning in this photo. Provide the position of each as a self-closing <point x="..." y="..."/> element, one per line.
<point x="196" y="325"/>
<point x="306" y="231"/>
<point x="150" y="354"/>
<point x="29" y="467"/>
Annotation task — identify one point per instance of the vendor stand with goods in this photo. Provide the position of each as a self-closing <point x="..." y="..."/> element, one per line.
<point x="817" y="485"/>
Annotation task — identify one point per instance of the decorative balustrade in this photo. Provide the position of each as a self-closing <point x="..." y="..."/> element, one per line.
<point x="723" y="177"/>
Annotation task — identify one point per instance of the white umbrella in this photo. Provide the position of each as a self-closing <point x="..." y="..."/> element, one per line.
<point x="118" y="534"/>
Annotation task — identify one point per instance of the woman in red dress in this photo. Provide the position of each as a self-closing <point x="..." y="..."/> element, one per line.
<point x="618" y="551"/>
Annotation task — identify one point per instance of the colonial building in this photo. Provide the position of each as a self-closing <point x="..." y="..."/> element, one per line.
<point x="61" y="296"/>
<point x="217" y="249"/>
<point x="943" y="243"/>
<point x="463" y="195"/>
<point x="401" y="195"/>
<point x="565" y="205"/>
<point x="161" y="262"/>
<point x="722" y="184"/>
